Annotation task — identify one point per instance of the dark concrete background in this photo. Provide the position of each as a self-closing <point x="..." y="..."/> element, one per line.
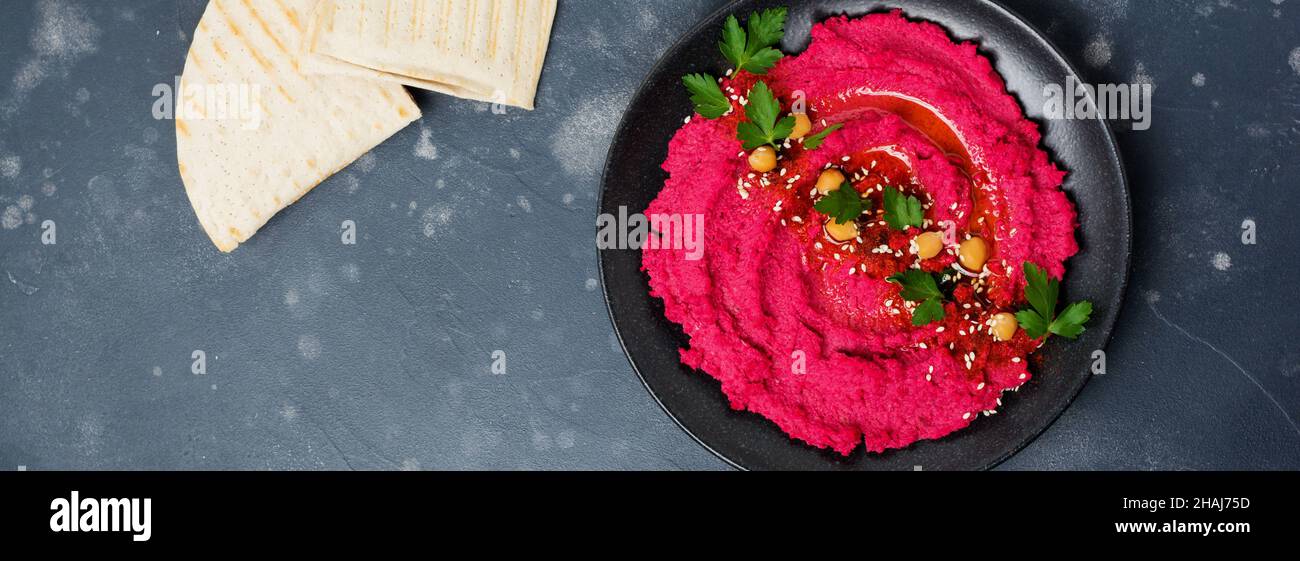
<point x="476" y="235"/>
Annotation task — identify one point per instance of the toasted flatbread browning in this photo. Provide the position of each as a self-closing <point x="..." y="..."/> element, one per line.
<point x="254" y="131"/>
<point x="486" y="50"/>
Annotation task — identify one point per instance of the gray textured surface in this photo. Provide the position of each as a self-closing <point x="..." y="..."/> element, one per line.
<point x="376" y="356"/>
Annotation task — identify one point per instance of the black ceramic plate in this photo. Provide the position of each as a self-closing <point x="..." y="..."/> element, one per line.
<point x="1096" y="184"/>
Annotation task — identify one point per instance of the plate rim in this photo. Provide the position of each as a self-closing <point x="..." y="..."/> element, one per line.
<point x="1112" y="146"/>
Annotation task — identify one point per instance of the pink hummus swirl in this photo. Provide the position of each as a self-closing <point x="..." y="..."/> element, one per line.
<point x="807" y="332"/>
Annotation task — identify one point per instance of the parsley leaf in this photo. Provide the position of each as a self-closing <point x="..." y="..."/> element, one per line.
<point x="766" y="28"/>
<point x="919" y="286"/>
<point x="1042" y="291"/>
<point x="763" y="60"/>
<point x="843" y="205"/>
<point x="752" y="51"/>
<point x="762" y="126"/>
<point x="931" y="310"/>
<point x="1070" y="323"/>
<point x="901" y="211"/>
<point x="1033" y="324"/>
<point x="708" y="98"/>
<point x="815" y="141"/>
<point x="733" y="41"/>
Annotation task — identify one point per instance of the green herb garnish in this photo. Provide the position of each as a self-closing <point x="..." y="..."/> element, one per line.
<point x="762" y="127"/>
<point x="928" y="311"/>
<point x="919" y="286"/>
<point x="815" y="141"/>
<point x="1041" y="291"/>
<point x="902" y="211"/>
<point x="708" y="98"/>
<point x="843" y="205"/>
<point x="753" y="51"/>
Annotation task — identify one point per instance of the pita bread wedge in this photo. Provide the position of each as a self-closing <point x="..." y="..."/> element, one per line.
<point x="254" y="132"/>
<point x="486" y="50"/>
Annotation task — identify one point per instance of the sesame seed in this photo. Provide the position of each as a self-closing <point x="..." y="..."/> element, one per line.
<point x="979" y="387"/>
<point x="966" y="416"/>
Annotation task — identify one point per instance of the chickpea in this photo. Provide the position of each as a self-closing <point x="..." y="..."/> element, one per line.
<point x="973" y="253"/>
<point x="929" y="244"/>
<point x="841" y="232"/>
<point x="829" y="180"/>
<point x="802" y="126"/>
<point x="1004" y="326"/>
<point x="762" y="159"/>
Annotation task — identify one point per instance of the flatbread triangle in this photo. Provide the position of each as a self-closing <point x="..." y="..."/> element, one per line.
<point x="254" y="131"/>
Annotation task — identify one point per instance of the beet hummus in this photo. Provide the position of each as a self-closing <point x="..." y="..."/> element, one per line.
<point x="799" y="323"/>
